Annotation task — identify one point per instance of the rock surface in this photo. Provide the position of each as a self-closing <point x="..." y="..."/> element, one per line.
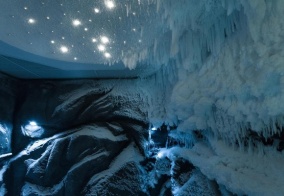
<point x="89" y="137"/>
<point x="8" y="91"/>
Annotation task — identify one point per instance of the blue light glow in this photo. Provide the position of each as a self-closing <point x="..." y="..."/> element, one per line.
<point x="33" y="123"/>
<point x="32" y="129"/>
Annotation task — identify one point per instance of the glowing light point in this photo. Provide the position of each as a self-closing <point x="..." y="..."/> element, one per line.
<point x="75" y="58"/>
<point x="33" y="123"/>
<point x="107" y="55"/>
<point x="104" y="40"/>
<point x="32" y="130"/>
<point x="47" y="17"/>
<point x="154" y="129"/>
<point x="101" y="47"/>
<point x="52" y="41"/>
<point x="160" y="155"/>
<point x="94" y="40"/>
<point x="64" y="49"/>
<point x="86" y="29"/>
<point x="109" y="4"/>
<point x="31" y="21"/>
<point x="96" y="10"/>
<point x="25" y="8"/>
<point x="76" y="22"/>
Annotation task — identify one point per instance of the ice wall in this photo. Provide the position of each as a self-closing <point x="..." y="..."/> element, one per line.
<point x="228" y="59"/>
<point x="220" y="82"/>
<point x="225" y="56"/>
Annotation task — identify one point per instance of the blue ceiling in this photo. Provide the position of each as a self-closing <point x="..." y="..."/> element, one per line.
<point x="75" y="38"/>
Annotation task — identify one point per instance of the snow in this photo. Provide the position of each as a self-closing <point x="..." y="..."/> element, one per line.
<point x="198" y="184"/>
<point x="241" y="172"/>
<point x="99" y="132"/>
<point x="5" y="155"/>
<point x="225" y="55"/>
<point x="219" y="70"/>
<point x="91" y="130"/>
<point x="129" y="154"/>
<point x="222" y="73"/>
<point x="227" y="58"/>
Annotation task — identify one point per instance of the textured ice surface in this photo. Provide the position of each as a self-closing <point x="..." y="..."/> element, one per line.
<point x="221" y="74"/>
<point x="228" y="60"/>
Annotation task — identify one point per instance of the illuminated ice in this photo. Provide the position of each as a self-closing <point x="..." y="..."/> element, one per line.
<point x="32" y="129"/>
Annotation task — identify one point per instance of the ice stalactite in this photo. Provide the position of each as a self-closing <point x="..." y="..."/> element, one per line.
<point x="228" y="58"/>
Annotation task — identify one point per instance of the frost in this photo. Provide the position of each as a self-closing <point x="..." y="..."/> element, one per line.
<point x="198" y="184"/>
<point x="129" y="154"/>
<point x="229" y="77"/>
<point x="241" y="172"/>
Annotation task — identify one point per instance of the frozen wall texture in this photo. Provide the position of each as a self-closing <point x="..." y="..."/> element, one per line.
<point x="219" y="90"/>
<point x="229" y="63"/>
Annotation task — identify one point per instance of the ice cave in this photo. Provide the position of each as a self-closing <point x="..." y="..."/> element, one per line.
<point x="142" y="97"/>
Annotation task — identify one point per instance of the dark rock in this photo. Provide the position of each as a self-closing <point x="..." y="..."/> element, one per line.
<point x="181" y="171"/>
<point x="61" y="105"/>
<point x="86" y="125"/>
<point x="8" y="98"/>
<point x="162" y="186"/>
<point x="160" y="136"/>
<point x="126" y="181"/>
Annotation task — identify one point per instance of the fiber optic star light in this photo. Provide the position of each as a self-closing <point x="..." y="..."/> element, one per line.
<point x="109" y="4"/>
<point x="54" y="33"/>
<point x="76" y="23"/>
<point x="101" y="47"/>
<point x="96" y="10"/>
<point x="104" y="40"/>
<point x="31" y="21"/>
<point x="64" y="49"/>
<point x="107" y="55"/>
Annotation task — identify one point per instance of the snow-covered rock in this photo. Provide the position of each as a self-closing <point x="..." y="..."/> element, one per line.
<point x="8" y="98"/>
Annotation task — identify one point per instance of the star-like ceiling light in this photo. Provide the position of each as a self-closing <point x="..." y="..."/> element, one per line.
<point x="76" y="23"/>
<point x="107" y="55"/>
<point x="96" y="10"/>
<point x="31" y="21"/>
<point x="104" y="40"/>
<point x="109" y="4"/>
<point x="64" y="49"/>
<point x="101" y="47"/>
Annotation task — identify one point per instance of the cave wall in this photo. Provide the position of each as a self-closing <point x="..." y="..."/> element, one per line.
<point x="91" y="138"/>
<point x="8" y="96"/>
<point x="58" y="106"/>
<point x="82" y="127"/>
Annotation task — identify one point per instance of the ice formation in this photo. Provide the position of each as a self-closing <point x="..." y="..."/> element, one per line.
<point x="228" y="62"/>
<point x="219" y="82"/>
